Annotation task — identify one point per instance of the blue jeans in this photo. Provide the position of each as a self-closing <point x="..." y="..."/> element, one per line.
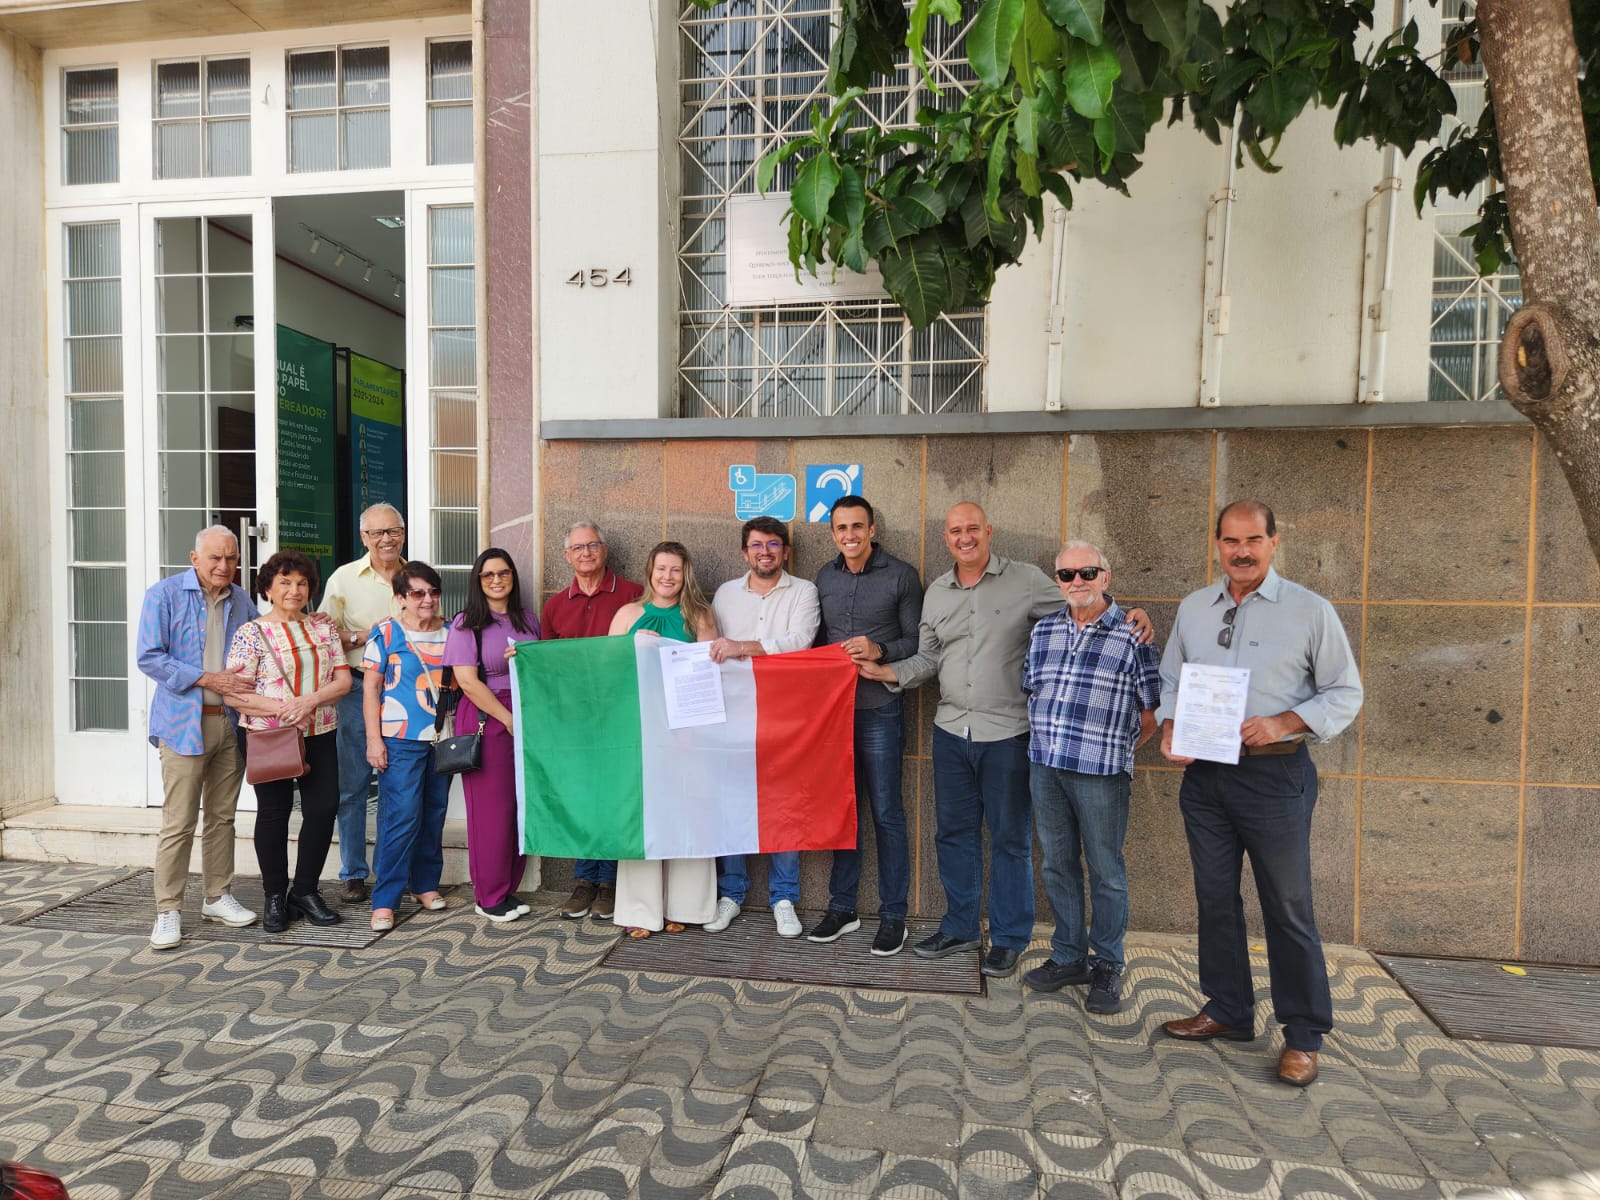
<point x="977" y="784"/>
<point x="1261" y="807"/>
<point x="355" y="778"/>
<point x="1088" y="813"/>
<point x="783" y="877"/>
<point x="880" y="740"/>
<point x="411" y="804"/>
<point x="596" y="870"/>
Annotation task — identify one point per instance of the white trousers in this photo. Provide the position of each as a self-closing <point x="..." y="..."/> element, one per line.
<point x="651" y="892"/>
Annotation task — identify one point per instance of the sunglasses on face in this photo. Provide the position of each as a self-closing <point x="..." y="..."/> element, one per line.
<point x="423" y="593"/>
<point x="1089" y="574"/>
<point x="1225" y="638"/>
<point x="384" y="533"/>
<point x="490" y="576"/>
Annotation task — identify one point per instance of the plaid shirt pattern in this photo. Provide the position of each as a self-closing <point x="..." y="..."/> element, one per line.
<point x="1086" y="689"/>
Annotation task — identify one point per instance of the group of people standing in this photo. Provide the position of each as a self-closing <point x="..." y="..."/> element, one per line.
<point x="1047" y="689"/>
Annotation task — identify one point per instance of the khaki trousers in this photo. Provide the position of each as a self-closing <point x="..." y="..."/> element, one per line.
<point x="674" y="889"/>
<point x="210" y="779"/>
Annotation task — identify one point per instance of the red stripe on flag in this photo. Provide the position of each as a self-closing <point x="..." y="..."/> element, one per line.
<point x="805" y="750"/>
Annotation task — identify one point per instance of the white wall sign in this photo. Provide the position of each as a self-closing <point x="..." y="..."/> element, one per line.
<point x="759" y="270"/>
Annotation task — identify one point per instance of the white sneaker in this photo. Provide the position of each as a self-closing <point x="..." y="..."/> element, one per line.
<point x="727" y="910"/>
<point x="168" y="930"/>
<point x="227" y="910"/>
<point x="788" y="923"/>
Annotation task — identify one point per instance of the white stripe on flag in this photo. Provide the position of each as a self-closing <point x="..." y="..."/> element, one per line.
<point x="699" y="783"/>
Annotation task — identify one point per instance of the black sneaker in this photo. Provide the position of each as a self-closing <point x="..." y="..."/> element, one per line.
<point x="891" y="937"/>
<point x="833" y="926"/>
<point x="1054" y="976"/>
<point x="942" y="945"/>
<point x="1105" y="988"/>
<point x="1000" y="961"/>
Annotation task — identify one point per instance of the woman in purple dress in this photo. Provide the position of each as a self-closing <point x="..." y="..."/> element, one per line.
<point x="493" y="618"/>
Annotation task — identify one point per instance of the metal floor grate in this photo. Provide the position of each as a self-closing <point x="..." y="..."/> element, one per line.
<point x="1478" y="1000"/>
<point x="125" y="907"/>
<point x="750" y="949"/>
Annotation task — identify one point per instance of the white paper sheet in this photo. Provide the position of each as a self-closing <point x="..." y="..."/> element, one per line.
<point x="693" y="685"/>
<point x="1210" y="710"/>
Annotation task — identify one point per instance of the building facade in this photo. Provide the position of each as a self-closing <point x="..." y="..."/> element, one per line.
<point x="572" y="285"/>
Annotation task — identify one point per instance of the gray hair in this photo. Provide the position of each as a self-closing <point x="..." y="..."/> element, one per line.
<point x="600" y="536"/>
<point x="380" y="506"/>
<point x="212" y="531"/>
<point x="1082" y="545"/>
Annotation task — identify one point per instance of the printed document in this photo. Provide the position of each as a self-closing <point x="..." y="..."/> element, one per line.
<point x="693" y="685"/>
<point x="1210" y="710"/>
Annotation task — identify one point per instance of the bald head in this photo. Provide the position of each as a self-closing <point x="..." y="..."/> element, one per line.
<point x="967" y="534"/>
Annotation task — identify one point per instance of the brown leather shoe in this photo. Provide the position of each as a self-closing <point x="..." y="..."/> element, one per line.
<point x="1201" y="1028"/>
<point x="578" y="903"/>
<point x="354" y="891"/>
<point x="605" y="902"/>
<point x="1297" y="1067"/>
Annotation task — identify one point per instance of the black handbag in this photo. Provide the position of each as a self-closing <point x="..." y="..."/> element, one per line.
<point x="460" y="752"/>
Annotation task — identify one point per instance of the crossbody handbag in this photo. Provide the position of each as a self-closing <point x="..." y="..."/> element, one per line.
<point x="273" y="754"/>
<point x="460" y="752"/>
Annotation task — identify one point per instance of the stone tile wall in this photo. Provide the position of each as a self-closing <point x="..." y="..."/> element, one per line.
<point x="1457" y="816"/>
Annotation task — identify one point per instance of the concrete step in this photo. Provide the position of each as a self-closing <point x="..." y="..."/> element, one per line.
<point x="113" y="836"/>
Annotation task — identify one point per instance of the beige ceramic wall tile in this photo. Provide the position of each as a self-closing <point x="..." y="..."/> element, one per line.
<point x="1444" y="692"/>
<point x="1450" y="513"/>
<point x="1439" y="868"/>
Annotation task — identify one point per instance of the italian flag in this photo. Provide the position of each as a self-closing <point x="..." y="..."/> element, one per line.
<point x="601" y="775"/>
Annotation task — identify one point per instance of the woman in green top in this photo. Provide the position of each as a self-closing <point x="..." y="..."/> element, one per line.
<point x="657" y="895"/>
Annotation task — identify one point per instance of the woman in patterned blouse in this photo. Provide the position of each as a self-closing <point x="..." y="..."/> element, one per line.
<point x="299" y="670"/>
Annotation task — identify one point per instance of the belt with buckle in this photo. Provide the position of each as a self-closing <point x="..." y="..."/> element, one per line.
<point x="1288" y="747"/>
<point x="211" y="710"/>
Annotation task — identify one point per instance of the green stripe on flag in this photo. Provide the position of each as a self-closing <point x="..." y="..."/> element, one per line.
<point x="578" y="744"/>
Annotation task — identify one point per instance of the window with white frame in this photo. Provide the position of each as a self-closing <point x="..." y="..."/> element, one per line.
<point x="202" y="118"/>
<point x="89" y="140"/>
<point x="339" y="108"/>
<point x="1470" y="311"/>
<point x="97" y="541"/>
<point x="452" y="396"/>
<point x="449" y="102"/>
<point x="749" y="74"/>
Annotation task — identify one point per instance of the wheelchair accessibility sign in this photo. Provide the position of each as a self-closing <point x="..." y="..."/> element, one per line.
<point x="761" y="495"/>
<point x="827" y="482"/>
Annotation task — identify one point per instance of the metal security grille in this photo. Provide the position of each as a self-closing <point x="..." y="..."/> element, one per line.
<point x="750" y="71"/>
<point x="1469" y="311"/>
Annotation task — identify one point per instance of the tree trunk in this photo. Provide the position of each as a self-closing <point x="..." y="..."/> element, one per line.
<point x="1550" y="354"/>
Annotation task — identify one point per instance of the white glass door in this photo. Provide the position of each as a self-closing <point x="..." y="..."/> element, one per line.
<point x="210" y="392"/>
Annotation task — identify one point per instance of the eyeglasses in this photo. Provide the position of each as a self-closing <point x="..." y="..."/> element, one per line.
<point x="591" y="547"/>
<point x="393" y="532"/>
<point x="423" y="593"/>
<point x="490" y="576"/>
<point x="1067" y="574"/>
<point x="770" y="547"/>
<point x="1225" y="638"/>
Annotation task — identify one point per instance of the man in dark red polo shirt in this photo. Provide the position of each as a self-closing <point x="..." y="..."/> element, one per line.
<point x="584" y="608"/>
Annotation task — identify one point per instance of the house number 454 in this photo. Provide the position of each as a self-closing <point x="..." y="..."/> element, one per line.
<point x="599" y="277"/>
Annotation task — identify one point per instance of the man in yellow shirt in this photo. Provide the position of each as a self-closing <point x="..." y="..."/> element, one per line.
<point x="358" y="596"/>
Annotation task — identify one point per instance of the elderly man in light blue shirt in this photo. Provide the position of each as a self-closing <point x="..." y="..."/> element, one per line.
<point x="1303" y="686"/>
<point x="185" y="627"/>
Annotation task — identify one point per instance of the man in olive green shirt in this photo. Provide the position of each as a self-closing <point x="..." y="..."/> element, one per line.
<point x="358" y="596"/>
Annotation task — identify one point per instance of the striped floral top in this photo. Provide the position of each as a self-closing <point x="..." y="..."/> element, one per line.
<point x="309" y="651"/>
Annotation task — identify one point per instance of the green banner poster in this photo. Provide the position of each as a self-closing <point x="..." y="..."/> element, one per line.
<point x="377" y="434"/>
<point x="308" y="437"/>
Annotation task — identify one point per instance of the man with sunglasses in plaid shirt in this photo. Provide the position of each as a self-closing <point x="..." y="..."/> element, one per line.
<point x="1304" y="685"/>
<point x="1092" y="692"/>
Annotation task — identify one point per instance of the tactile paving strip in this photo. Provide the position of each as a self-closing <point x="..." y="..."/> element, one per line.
<point x="126" y="907"/>
<point x="1479" y="1000"/>
<point x="750" y="949"/>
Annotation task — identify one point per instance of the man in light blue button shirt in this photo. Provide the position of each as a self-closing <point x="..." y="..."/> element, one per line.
<point x="1304" y="685"/>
